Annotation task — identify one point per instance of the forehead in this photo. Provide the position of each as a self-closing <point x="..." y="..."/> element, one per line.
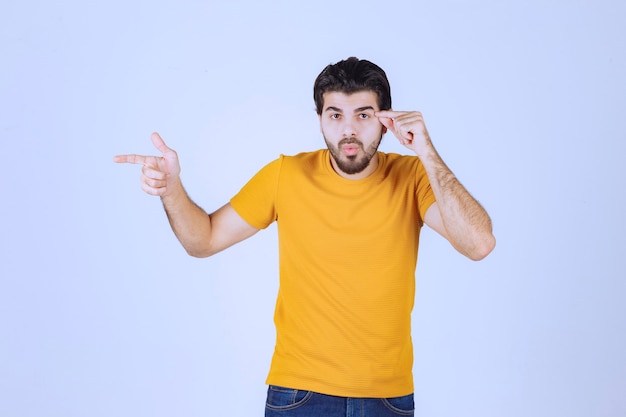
<point x="348" y="102"/>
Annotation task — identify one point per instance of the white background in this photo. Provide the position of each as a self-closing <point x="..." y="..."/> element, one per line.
<point x="102" y="313"/>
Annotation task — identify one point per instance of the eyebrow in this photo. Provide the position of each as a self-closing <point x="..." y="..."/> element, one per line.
<point x="358" y="110"/>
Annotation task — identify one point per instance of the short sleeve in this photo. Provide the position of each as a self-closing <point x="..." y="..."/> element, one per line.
<point x="423" y="191"/>
<point x="256" y="201"/>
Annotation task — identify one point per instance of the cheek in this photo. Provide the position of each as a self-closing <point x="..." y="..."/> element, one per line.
<point x="329" y="129"/>
<point x="374" y="129"/>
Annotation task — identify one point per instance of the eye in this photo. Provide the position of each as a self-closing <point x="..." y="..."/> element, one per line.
<point x="335" y="116"/>
<point x="364" y="116"/>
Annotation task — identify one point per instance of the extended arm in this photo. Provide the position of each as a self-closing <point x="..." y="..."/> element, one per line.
<point x="200" y="234"/>
<point x="456" y="215"/>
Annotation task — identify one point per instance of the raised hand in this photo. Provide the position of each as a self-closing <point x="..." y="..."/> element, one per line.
<point x="408" y="127"/>
<point x="160" y="174"/>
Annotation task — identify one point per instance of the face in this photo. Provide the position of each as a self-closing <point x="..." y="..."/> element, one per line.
<point x="352" y="132"/>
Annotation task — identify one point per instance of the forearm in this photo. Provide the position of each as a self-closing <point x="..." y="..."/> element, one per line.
<point x="190" y="223"/>
<point x="467" y="225"/>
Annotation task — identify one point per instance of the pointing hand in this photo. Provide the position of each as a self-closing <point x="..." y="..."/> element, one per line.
<point x="159" y="173"/>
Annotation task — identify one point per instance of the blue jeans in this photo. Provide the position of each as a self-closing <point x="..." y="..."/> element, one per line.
<point x="287" y="402"/>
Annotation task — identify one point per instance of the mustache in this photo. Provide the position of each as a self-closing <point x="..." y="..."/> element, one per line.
<point x="349" y="141"/>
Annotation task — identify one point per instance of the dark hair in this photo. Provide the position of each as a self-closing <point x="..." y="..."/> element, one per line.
<point x="350" y="76"/>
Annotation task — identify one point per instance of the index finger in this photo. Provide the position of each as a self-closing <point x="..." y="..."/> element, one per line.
<point x="389" y="114"/>
<point x="130" y="159"/>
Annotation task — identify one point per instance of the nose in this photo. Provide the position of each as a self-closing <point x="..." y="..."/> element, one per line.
<point x="348" y="129"/>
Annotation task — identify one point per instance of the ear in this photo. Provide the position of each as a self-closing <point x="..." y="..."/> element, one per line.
<point x="319" y="118"/>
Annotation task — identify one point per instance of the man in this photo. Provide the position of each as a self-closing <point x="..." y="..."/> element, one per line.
<point x="348" y="223"/>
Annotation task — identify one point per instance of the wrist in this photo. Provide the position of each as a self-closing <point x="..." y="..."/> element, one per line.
<point x="173" y="192"/>
<point x="427" y="152"/>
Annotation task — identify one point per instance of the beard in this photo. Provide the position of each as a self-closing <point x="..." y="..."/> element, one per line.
<point x="353" y="164"/>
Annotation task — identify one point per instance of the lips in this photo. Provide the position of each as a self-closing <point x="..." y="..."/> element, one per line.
<point x="350" y="149"/>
